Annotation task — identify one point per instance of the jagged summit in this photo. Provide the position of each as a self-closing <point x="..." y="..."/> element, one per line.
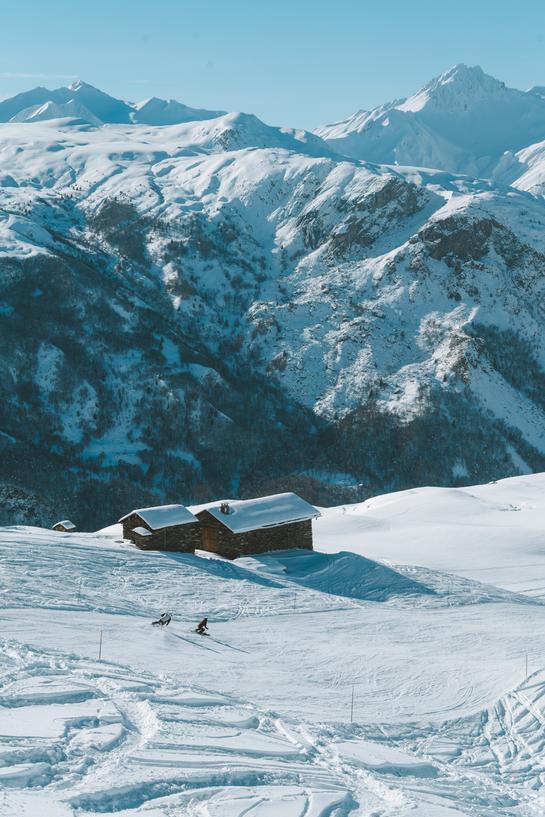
<point x="82" y="101"/>
<point x="79" y="83"/>
<point x="457" y="89"/>
<point x="461" y="70"/>
<point x="463" y="121"/>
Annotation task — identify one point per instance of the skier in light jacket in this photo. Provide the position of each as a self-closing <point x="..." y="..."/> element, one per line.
<point x="163" y="620"/>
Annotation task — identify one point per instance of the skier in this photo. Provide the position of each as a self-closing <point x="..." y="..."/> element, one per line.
<point x="163" y="620"/>
<point x="202" y="627"/>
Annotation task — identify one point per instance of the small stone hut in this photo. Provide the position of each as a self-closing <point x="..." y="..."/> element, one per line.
<point x="66" y="526"/>
<point x="249" y="526"/>
<point x="166" y="527"/>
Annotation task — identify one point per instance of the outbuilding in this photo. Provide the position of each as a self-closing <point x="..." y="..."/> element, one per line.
<point x="244" y="527"/>
<point x="66" y="526"/>
<point x="165" y="527"/>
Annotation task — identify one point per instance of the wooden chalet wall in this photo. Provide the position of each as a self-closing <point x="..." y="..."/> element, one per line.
<point x="216" y="538"/>
<point x="179" y="538"/>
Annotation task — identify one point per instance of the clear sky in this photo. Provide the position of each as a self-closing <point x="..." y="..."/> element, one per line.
<point x="291" y="62"/>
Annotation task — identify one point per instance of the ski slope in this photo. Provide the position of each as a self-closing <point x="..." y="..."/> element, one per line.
<point x="426" y="606"/>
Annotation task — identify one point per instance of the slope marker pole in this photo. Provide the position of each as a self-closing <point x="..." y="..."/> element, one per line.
<point x="100" y="647"/>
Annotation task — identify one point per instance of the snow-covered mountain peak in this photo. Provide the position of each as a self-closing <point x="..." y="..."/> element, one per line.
<point x="53" y="110"/>
<point x="84" y="101"/>
<point x="456" y="90"/>
<point x="156" y="111"/>
<point x="80" y="84"/>
<point x="462" y="72"/>
<point x="239" y="131"/>
<point x="462" y="121"/>
<point x="153" y="102"/>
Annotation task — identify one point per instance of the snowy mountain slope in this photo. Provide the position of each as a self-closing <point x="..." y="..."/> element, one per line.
<point x="445" y="527"/>
<point x="156" y="111"/>
<point x="28" y="99"/>
<point x="53" y="110"/>
<point x="183" y="304"/>
<point x="83" y="101"/>
<point x="256" y="719"/>
<point x="225" y="241"/>
<point x="525" y="170"/>
<point x="462" y="121"/>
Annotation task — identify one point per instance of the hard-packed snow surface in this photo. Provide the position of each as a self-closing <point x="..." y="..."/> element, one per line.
<point x="397" y="671"/>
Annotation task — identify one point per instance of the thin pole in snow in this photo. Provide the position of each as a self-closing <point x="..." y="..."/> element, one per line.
<point x="352" y="707"/>
<point x="100" y="647"/>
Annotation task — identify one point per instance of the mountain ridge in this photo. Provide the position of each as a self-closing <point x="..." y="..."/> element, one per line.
<point x="462" y="121"/>
<point x="221" y="307"/>
<point x="98" y="108"/>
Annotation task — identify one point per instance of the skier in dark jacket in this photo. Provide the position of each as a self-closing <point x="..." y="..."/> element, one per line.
<point x="202" y="627"/>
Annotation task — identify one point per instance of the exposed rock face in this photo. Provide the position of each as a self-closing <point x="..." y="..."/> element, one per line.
<point x="183" y="319"/>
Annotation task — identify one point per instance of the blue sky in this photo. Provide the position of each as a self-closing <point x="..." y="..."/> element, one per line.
<point x="291" y="62"/>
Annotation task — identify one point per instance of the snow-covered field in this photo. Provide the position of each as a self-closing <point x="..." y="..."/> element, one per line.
<point x="420" y="618"/>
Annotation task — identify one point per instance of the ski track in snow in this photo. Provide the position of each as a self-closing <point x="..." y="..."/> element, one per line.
<point x="137" y="740"/>
<point x="255" y="721"/>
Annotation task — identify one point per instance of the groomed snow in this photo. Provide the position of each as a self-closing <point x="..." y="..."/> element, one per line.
<point x="396" y="672"/>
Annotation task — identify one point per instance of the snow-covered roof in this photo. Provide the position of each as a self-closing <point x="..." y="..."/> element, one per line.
<point x="66" y="523"/>
<point x="163" y="516"/>
<point x="142" y="531"/>
<point x="263" y="512"/>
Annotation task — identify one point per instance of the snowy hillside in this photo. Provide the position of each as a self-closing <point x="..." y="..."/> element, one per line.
<point x="223" y="307"/>
<point x="463" y="122"/>
<point x="426" y="606"/>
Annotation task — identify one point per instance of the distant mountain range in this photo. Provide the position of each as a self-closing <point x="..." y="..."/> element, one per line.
<point x="198" y="304"/>
<point x="88" y="104"/>
<point x="463" y="121"/>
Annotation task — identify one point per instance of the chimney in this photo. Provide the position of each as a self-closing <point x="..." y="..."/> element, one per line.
<point x="224" y="507"/>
